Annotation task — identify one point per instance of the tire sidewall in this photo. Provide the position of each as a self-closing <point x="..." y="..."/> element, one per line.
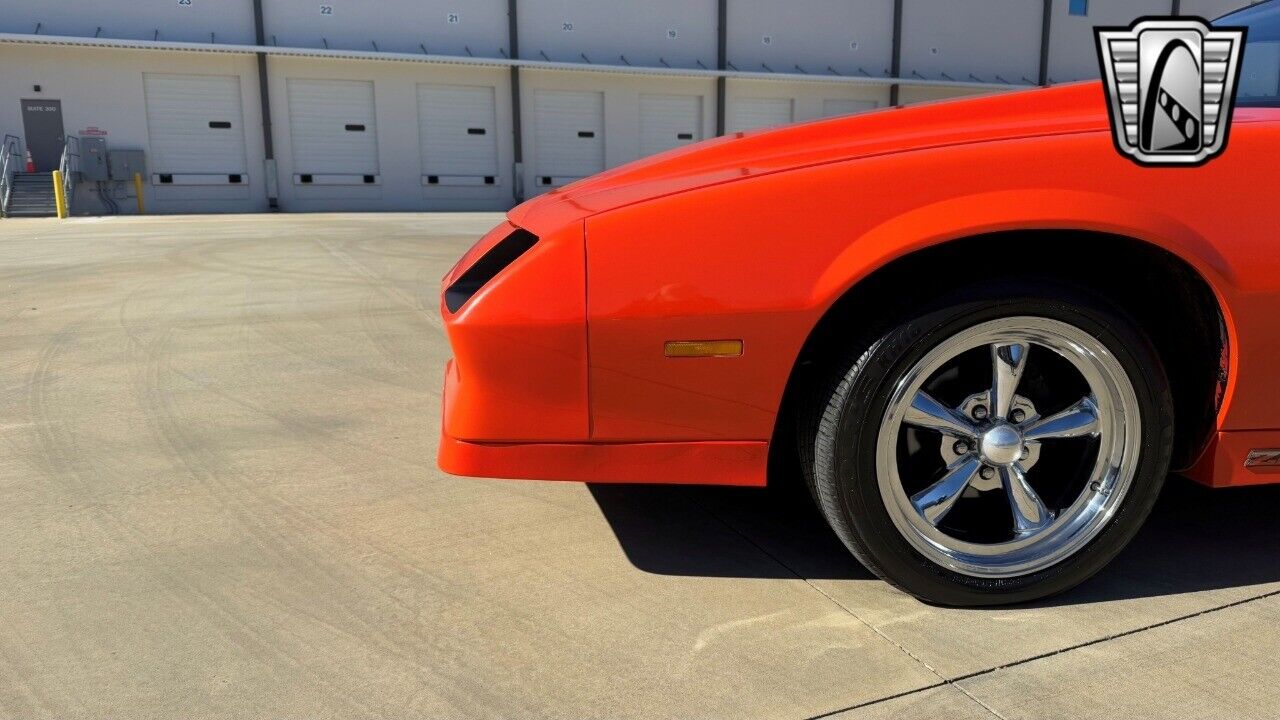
<point x="866" y="403"/>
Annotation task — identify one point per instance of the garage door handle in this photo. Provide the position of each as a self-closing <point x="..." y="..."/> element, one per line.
<point x="586" y="134"/>
<point x="219" y="124"/>
<point x="684" y="136"/>
<point x="355" y="128"/>
<point x="475" y="131"/>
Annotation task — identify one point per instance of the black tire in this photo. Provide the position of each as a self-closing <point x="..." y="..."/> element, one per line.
<point x="838" y="434"/>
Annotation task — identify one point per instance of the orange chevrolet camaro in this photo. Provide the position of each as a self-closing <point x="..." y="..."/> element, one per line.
<point x="983" y="335"/>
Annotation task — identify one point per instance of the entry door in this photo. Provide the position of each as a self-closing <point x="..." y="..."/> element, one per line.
<point x="45" y="138"/>
<point x="669" y="121"/>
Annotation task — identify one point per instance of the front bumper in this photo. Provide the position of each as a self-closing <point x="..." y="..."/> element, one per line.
<point x="676" y="463"/>
<point x="516" y="397"/>
<point x="520" y="344"/>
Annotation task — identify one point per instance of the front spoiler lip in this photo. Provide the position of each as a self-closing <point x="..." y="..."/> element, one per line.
<point x="667" y="463"/>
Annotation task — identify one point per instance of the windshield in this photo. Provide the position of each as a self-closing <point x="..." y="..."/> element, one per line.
<point x="1260" y="76"/>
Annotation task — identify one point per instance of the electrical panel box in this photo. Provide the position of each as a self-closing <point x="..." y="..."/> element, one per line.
<point x="93" y="159"/>
<point x="124" y="163"/>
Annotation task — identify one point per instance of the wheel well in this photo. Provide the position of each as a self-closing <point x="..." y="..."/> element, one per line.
<point x="1165" y="295"/>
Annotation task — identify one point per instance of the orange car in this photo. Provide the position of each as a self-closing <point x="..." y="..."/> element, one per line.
<point x="984" y="334"/>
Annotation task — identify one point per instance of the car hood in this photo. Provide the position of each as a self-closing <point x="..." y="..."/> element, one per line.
<point x="1079" y="107"/>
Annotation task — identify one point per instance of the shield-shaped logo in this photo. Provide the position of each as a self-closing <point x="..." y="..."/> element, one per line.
<point x="1171" y="86"/>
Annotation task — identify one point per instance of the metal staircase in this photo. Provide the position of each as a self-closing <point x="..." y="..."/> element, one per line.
<point x="32" y="196"/>
<point x="10" y="157"/>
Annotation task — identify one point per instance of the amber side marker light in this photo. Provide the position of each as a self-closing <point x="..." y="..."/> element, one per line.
<point x="704" y="348"/>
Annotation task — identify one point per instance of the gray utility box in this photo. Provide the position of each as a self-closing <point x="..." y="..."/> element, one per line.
<point x="124" y="163"/>
<point x="93" y="159"/>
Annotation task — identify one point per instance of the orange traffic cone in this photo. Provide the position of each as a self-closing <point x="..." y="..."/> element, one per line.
<point x="31" y="164"/>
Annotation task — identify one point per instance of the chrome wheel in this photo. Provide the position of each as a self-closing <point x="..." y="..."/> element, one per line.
<point x="976" y="478"/>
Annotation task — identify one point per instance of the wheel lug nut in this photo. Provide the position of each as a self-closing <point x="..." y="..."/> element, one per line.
<point x="961" y="447"/>
<point x="987" y="472"/>
<point x="980" y="412"/>
<point x="1018" y="415"/>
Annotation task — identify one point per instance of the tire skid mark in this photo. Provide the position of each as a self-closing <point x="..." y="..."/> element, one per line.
<point x="281" y="335"/>
<point x="378" y="247"/>
<point x="209" y="256"/>
<point x="146" y="373"/>
<point x="197" y="462"/>
<point x="251" y="331"/>
<point x="381" y="284"/>
<point x="303" y="522"/>
<point x="37" y="701"/>
<point x="389" y="351"/>
<point x="63" y="459"/>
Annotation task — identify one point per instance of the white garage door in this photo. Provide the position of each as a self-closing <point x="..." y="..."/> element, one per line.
<point x="669" y="121"/>
<point x="331" y="123"/>
<point x="457" y="130"/>
<point x="752" y="113"/>
<point x="837" y="108"/>
<point x="568" y="135"/>
<point x="195" y="127"/>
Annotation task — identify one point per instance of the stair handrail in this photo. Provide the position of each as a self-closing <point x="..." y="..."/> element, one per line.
<point x="10" y="159"/>
<point x="69" y="166"/>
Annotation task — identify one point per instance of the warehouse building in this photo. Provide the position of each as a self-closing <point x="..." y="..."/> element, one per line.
<point x="306" y="105"/>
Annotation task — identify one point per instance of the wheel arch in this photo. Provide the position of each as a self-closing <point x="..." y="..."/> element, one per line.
<point x="1177" y="299"/>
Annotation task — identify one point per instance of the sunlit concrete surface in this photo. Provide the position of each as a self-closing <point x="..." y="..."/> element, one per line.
<point x="217" y="441"/>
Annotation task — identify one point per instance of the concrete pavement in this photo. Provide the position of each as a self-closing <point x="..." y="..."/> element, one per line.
<point x="217" y="440"/>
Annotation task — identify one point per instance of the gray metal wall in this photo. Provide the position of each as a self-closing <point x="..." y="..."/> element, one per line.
<point x="852" y="37"/>
<point x="675" y="33"/>
<point x="972" y="40"/>
<point x="224" y="21"/>
<point x="443" y="27"/>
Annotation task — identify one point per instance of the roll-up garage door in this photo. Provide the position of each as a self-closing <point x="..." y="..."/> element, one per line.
<point x="837" y="108"/>
<point x="335" y="138"/>
<point x="568" y="135"/>
<point x="457" y="131"/>
<point x="195" y="129"/>
<point x="752" y="113"/>
<point x="669" y="121"/>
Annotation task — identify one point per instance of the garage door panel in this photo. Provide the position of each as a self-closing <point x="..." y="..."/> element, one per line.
<point x="457" y="128"/>
<point x="669" y="121"/>
<point x="841" y="107"/>
<point x="332" y="127"/>
<point x="195" y="124"/>
<point x="753" y="113"/>
<point x="568" y="133"/>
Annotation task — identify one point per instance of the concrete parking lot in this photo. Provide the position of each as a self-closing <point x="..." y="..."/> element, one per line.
<point x="217" y="442"/>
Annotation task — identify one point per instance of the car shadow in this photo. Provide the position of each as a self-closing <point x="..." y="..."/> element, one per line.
<point x="1196" y="539"/>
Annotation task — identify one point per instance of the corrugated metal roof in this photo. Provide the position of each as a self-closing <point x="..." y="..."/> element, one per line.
<point x="164" y="45"/>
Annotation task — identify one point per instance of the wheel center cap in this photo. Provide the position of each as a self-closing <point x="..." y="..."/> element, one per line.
<point x="1001" y="445"/>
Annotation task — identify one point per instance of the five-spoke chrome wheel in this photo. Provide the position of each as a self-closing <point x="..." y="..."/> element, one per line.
<point x="1008" y="446"/>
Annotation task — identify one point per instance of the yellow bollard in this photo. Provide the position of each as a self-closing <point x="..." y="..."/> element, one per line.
<point x="59" y="194"/>
<point x="137" y="188"/>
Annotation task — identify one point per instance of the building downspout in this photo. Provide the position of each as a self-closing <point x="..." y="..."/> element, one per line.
<point x="264" y="90"/>
<point x="896" y="69"/>
<point x="1046" y="25"/>
<point x="517" y="145"/>
<point x="722" y="63"/>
